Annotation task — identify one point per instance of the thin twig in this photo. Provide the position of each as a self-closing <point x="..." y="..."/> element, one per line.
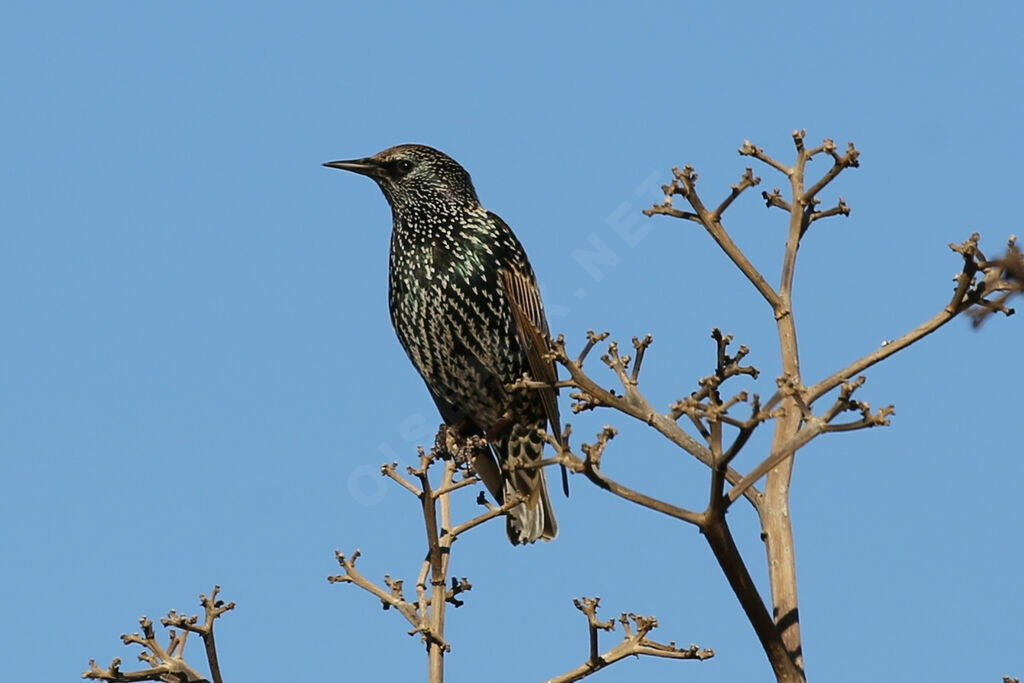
<point x="634" y="643"/>
<point x="750" y="150"/>
<point x="841" y="209"/>
<point x="168" y="663"/>
<point x="590" y="466"/>
<point x="638" y="407"/>
<point x="387" y="597"/>
<point x="840" y="163"/>
<point x="641" y="346"/>
<point x="774" y="199"/>
<point x="958" y="304"/>
<point x="687" y="179"/>
<point x="592" y="340"/>
<point x="493" y="512"/>
<point x="213" y="609"/>
<point x="390" y="470"/>
<point x="746" y="181"/>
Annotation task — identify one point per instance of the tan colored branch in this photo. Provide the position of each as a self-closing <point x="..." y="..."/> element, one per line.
<point x="814" y="426"/>
<point x="748" y="149"/>
<point x="794" y="426"/>
<point x="775" y="200"/>
<point x="635" y="405"/>
<point x="840" y="163"/>
<point x="590" y="394"/>
<point x="433" y="593"/>
<point x="390" y="470"/>
<point x="641" y="346"/>
<point x="840" y="209"/>
<point x="634" y="642"/>
<point x="592" y="340"/>
<point x="168" y="662"/>
<point x="685" y="184"/>
<point x="982" y="287"/>
<point x="213" y="608"/>
<point x="748" y="180"/>
<point x="1005" y="276"/>
<point x="969" y="292"/>
<point x="719" y="538"/>
<point x="493" y="512"/>
<point x="590" y="465"/>
<point x="811" y="429"/>
<point x="388" y="598"/>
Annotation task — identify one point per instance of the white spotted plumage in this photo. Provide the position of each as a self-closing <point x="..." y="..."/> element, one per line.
<point x="452" y="308"/>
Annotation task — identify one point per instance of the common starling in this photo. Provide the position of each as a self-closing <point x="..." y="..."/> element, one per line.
<point x="465" y="305"/>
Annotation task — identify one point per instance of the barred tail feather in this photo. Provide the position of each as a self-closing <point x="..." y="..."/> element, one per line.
<point x="526" y="523"/>
<point x="532" y="519"/>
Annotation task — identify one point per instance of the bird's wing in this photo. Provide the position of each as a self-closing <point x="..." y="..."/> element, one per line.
<point x="520" y="286"/>
<point x="532" y="328"/>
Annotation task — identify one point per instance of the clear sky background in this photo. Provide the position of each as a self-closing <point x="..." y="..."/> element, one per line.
<point x="199" y="377"/>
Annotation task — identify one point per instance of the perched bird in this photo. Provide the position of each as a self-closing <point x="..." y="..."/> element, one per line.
<point x="465" y="305"/>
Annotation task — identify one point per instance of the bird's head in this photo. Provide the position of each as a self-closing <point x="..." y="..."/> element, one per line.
<point x="415" y="174"/>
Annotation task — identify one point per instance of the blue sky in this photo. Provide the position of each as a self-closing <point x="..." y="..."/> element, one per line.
<point x="200" y="379"/>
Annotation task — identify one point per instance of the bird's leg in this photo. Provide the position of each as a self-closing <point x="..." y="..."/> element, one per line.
<point x="472" y="453"/>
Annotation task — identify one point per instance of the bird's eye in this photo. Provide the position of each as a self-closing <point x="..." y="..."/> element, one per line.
<point x="400" y="167"/>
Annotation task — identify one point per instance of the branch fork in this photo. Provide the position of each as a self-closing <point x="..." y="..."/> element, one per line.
<point x="168" y="663"/>
<point x="634" y="642"/>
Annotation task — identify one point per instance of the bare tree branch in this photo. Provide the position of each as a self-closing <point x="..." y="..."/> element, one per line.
<point x="791" y="406"/>
<point x="840" y="209"/>
<point x="632" y="404"/>
<point x="390" y="470"/>
<point x="848" y="160"/>
<point x="748" y="180"/>
<point x="969" y="292"/>
<point x="493" y="512"/>
<point x="426" y="614"/>
<point x="213" y="608"/>
<point x="641" y="348"/>
<point x="814" y="426"/>
<point x="392" y="597"/>
<point x="168" y="663"/>
<point x="634" y="642"/>
<point x="1004" y="275"/>
<point x="774" y="199"/>
<point x="685" y="184"/>
<point x="590" y="465"/>
<point x="750" y="150"/>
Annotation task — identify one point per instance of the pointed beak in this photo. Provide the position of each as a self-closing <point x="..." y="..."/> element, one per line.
<point x="367" y="167"/>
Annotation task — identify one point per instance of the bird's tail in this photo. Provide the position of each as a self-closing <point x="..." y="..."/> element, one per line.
<point x="533" y="518"/>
